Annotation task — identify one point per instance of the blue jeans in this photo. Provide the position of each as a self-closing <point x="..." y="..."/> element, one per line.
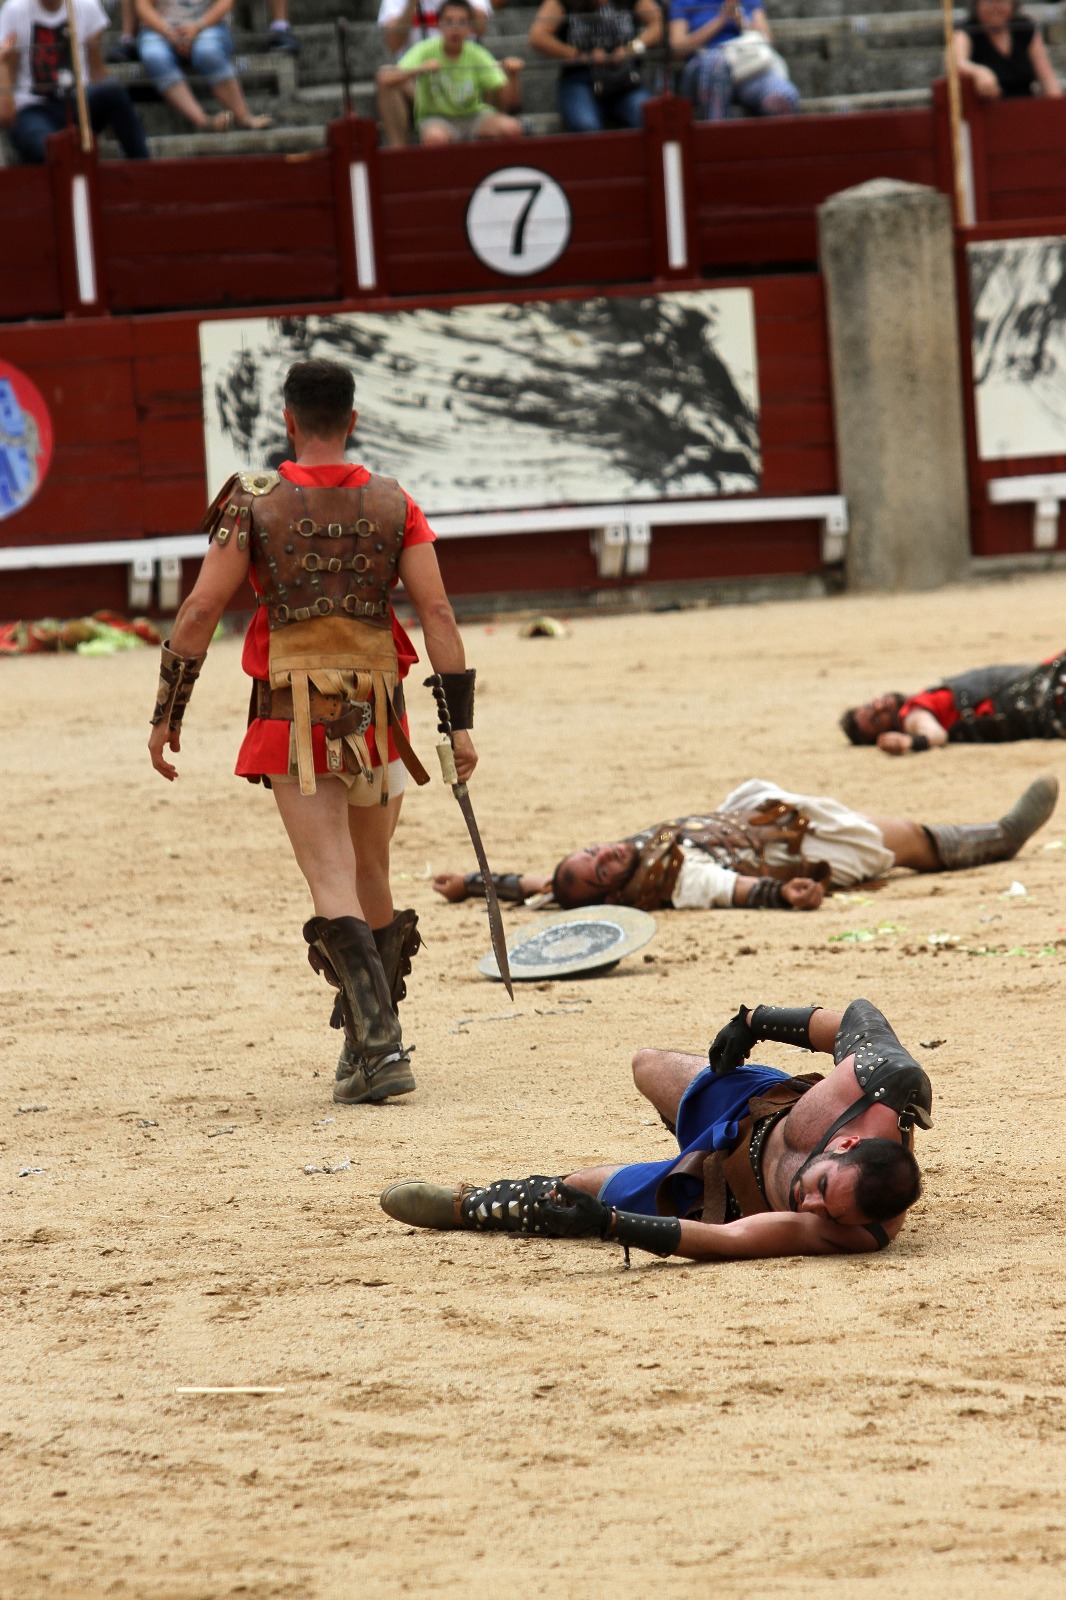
<point x="211" y="57"/>
<point x="109" y="107"/>
<point x="707" y="81"/>
<point x="585" y="112"/>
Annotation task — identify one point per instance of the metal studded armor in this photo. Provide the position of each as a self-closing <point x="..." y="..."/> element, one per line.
<point x="326" y="560"/>
<point x="738" y="840"/>
<point x="1027" y="703"/>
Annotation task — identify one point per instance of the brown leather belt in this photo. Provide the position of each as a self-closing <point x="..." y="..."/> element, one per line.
<point x="336" y="715"/>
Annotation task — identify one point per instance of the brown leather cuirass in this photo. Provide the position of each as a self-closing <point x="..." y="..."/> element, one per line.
<point x="326" y="560"/>
<point x="737" y="840"/>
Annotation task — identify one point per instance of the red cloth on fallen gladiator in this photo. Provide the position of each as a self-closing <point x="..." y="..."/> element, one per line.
<point x="265" y="749"/>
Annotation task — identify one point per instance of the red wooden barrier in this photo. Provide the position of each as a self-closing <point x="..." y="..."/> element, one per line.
<point x="29" y="263"/>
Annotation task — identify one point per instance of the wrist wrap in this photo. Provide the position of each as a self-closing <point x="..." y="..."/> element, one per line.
<point x="919" y="742"/>
<point x="508" y="886"/>
<point x="784" y="1024"/>
<point x="177" y="674"/>
<point x="658" y="1235"/>
<point x="459" y="697"/>
<point x="768" y="893"/>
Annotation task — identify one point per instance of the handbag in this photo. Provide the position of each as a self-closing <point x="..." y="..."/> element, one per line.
<point x="613" y="78"/>
<point x="750" y="55"/>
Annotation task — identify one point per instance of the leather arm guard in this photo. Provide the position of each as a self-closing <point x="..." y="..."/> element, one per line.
<point x="919" y="742"/>
<point x="886" y="1073"/>
<point x="459" y="697"/>
<point x="508" y="886"/>
<point x="782" y="1024"/>
<point x="767" y="893"/>
<point x="177" y="674"/>
<point x="570" y="1213"/>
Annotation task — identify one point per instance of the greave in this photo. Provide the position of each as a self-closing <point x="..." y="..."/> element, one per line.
<point x="510" y="1205"/>
<point x="974" y="844"/>
<point x="374" y="1063"/>
<point x="398" y="943"/>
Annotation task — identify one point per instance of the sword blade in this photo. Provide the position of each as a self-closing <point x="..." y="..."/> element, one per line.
<point x="499" y="943"/>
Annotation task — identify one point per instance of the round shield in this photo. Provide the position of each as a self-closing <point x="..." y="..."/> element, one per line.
<point x="590" y="939"/>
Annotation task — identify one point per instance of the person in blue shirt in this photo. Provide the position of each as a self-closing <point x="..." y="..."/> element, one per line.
<point x="714" y="77"/>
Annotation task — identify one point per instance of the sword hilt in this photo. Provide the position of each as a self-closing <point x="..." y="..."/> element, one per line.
<point x="444" y="721"/>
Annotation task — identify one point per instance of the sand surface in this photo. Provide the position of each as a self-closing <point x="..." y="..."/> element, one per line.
<point x="465" y="1415"/>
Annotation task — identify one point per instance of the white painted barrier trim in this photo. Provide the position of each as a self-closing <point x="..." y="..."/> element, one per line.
<point x="969" y="200"/>
<point x="674" y="191"/>
<point x="365" y="268"/>
<point x="832" y="508"/>
<point x="1037" y="486"/>
<point x="83" y="239"/>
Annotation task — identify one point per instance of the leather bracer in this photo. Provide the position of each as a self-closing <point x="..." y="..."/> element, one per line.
<point x="459" y="697"/>
<point x="177" y="674"/>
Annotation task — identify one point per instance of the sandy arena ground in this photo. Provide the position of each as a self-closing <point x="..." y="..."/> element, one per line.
<point x="493" y="1416"/>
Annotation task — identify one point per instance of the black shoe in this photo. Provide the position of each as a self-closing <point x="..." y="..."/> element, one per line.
<point x="284" y="39"/>
<point x="121" y="51"/>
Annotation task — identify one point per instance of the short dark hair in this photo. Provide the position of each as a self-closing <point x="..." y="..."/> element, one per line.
<point x="889" y="1181"/>
<point x="850" y="721"/>
<point x="320" y="395"/>
<point x="460" y="5"/>
<point x="563" y="888"/>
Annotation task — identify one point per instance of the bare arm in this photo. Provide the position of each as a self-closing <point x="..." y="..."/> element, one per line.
<point x="1045" y="72"/>
<point x="95" y="55"/>
<point x="389" y="77"/>
<point x="213" y="14"/>
<point x="684" y="43"/>
<point x="452" y="885"/>
<point x="650" y="18"/>
<point x="917" y="721"/>
<point x="507" y="96"/>
<point x="773" y="1234"/>
<point x="542" y="36"/>
<point x="150" y="18"/>
<point x="420" y="576"/>
<point x="224" y="570"/>
<point x="8" y="64"/>
<point x="983" y="78"/>
<point x="760" y="22"/>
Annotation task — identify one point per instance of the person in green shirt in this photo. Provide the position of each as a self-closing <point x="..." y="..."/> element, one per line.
<point x="461" y="91"/>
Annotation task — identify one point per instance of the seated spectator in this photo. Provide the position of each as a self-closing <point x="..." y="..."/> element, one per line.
<point x="405" y="23"/>
<point x="37" y="77"/>
<point x="461" y="91"/>
<point x="599" y="44"/>
<point x="1003" y="52"/>
<point x="125" y="46"/>
<point x="729" y="59"/>
<point x="193" y="33"/>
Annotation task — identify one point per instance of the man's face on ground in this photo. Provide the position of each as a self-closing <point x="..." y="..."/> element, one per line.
<point x="594" y="874"/>
<point x="877" y="716"/>
<point x="826" y="1188"/>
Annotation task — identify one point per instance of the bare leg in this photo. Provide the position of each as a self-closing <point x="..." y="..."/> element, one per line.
<point x="394" y="109"/>
<point x="909" y="843"/>
<point x="371" y="829"/>
<point x="181" y="97"/>
<point x="591" y="1179"/>
<point x="317" y="826"/>
<point x="662" y="1076"/>
<point x="231" y="95"/>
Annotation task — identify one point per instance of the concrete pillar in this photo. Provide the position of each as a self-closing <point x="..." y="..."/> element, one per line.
<point x="887" y="257"/>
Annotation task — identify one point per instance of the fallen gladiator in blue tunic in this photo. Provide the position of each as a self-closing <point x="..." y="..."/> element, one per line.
<point x="768" y="1164"/>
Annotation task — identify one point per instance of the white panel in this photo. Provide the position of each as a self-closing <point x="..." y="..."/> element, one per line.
<point x="674" y="190"/>
<point x="83" y="240"/>
<point x="365" y="268"/>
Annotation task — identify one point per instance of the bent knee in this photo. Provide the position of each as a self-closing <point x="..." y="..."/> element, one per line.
<point x="644" y="1064"/>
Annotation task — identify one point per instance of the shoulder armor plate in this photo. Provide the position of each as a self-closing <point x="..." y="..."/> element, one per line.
<point x="258" y="483"/>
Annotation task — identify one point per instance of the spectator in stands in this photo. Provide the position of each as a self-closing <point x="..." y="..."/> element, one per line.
<point x="729" y="59"/>
<point x="194" y="32"/>
<point x="1003" y="52"/>
<point x="281" y="34"/>
<point x="125" y="47"/>
<point x="461" y="91"/>
<point x="599" y="44"/>
<point x="37" y="78"/>
<point x="405" y="23"/>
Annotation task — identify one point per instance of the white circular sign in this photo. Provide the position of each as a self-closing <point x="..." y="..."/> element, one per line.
<point x="518" y="221"/>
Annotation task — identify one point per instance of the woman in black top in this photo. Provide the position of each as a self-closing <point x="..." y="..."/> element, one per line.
<point x="1003" y="52"/>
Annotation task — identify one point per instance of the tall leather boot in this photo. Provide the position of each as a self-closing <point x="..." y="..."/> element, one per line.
<point x="974" y="844"/>
<point x="374" y="1064"/>
<point x="398" y="943"/>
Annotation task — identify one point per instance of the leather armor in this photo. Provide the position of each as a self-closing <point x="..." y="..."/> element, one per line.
<point x="1027" y="703"/>
<point x="737" y="840"/>
<point x="326" y="560"/>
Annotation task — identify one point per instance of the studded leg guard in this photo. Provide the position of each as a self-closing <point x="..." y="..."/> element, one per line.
<point x="374" y="1063"/>
<point x="973" y="845"/>
<point x="510" y="1205"/>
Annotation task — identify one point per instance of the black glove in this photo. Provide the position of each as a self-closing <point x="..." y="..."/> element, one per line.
<point x="732" y="1044"/>
<point x="571" y="1213"/>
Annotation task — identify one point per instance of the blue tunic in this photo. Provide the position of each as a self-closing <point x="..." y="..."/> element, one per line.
<point x="707" y="1119"/>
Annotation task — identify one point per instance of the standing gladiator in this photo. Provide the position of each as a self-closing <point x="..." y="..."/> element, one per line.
<point x="323" y="543"/>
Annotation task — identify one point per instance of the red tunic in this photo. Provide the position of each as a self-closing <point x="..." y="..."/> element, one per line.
<point x="265" y="750"/>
